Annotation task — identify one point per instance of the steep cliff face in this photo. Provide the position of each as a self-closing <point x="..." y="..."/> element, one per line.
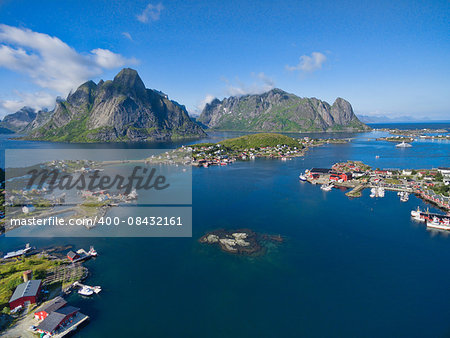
<point x="118" y="110"/>
<point x="17" y="121"/>
<point x="277" y="110"/>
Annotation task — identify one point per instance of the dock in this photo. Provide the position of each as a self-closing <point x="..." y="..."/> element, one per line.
<point x="356" y="191"/>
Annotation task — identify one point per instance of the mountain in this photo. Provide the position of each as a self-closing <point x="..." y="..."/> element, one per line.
<point x="17" y="121"/>
<point x="118" y="110"/>
<point x="277" y="110"/>
<point x="397" y="119"/>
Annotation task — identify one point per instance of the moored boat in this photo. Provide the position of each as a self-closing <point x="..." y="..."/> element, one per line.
<point x="403" y="145"/>
<point x="326" y="187"/>
<point x="436" y="223"/>
<point x="86" y="291"/>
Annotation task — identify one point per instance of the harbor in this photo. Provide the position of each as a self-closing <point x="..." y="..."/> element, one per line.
<point x="430" y="185"/>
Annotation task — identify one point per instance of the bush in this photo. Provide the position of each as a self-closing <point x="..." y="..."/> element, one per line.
<point x="13" y="283"/>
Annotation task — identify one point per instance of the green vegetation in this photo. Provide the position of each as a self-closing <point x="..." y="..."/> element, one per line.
<point x="11" y="274"/>
<point x="256" y="141"/>
<point x="442" y="189"/>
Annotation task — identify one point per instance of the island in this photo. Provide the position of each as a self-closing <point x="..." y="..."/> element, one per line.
<point x="240" y="241"/>
<point x="244" y="148"/>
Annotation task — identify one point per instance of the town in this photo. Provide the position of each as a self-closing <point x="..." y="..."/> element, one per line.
<point x="432" y="186"/>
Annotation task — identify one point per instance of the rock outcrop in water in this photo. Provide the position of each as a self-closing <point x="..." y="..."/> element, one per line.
<point x="241" y="241"/>
<point x="277" y="110"/>
<point x="118" y="110"/>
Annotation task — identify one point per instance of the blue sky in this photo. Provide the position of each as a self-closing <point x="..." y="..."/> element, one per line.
<point x="385" y="57"/>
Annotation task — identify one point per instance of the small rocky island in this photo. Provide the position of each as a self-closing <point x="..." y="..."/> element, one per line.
<point x="241" y="241"/>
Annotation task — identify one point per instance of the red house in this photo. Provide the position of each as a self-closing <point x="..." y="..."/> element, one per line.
<point x="334" y="177"/>
<point x="72" y="256"/>
<point x="25" y="292"/>
<point x="53" y="305"/>
<point x="345" y="176"/>
<point x="53" y="322"/>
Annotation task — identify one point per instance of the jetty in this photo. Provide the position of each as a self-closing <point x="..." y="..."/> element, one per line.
<point x="18" y="253"/>
<point x="356" y="191"/>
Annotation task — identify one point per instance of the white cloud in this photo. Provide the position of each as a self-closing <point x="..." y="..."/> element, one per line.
<point x="108" y="60"/>
<point x="208" y="99"/>
<point x="51" y="63"/>
<point x="36" y="100"/>
<point x="309" y="63"/>
<point x="150" y="13"/>
<point x="261" y="84"/>
<point x="127" y="35"/>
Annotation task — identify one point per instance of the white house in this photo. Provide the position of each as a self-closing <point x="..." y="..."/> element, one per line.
<point x="28" y="208"/>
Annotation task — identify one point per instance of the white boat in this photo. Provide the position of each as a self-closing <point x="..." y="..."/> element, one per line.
<point x="437" y="224"/>
<point x="403" y="145"/>
<point x="92" y="252"/>
<point x="86" y="291"/>
<point x="132" y="195"/>
<point x="380" y="192"/>
<point x="404" y="196"/>
<point x="415" y="213"/>
<point x="326" y="187"/>
<point x="302" y="177"/>
<point x="373" y="192"/>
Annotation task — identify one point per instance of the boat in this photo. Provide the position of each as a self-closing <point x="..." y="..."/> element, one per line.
<point x="302" y="177"/>
<point x="404" y="196"/>
<point x="416" y="213"/>
<point x="86" y="291"/>
<point x="326" y="187"/>
<point x="403" y="145"/>
<point x="18" y="253"/>
<point x="132" y="195"/>
<point x="92" y="252"/>
<point x="436" y="223"/>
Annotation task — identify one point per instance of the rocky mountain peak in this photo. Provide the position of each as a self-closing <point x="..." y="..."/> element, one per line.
<point x="129" y="81"/>
<point x="277" y="110"/>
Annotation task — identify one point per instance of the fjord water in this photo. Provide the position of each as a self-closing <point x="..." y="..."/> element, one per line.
<point x="348" y="267"/>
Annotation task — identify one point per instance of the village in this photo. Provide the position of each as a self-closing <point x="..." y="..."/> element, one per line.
<point x="432" y="186"/>
<point x="410" y="135"/>
<point x="40" y="202"/>
<point x="34" y="284"/>
<point x="244" y="148"/>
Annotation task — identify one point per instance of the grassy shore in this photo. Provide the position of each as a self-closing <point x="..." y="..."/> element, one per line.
<point x="11" y="273"/>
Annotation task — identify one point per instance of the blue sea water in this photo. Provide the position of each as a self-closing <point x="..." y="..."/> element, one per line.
<point x="348" y="267"/>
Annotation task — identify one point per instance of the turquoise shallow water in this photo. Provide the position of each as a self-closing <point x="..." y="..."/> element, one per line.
<point x="348" y="267"/>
